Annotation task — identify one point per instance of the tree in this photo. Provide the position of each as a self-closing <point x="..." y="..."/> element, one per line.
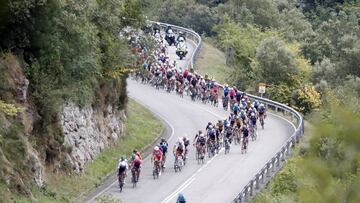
<point x="275" y="63"/>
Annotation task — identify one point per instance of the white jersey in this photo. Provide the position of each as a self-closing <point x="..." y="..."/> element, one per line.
<point x="179" y="144"/>
<point x="123" y="164"/>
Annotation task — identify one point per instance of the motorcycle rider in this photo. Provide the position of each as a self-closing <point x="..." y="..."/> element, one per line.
<point x="181" y="47"/>
<point x="181" y="35"/>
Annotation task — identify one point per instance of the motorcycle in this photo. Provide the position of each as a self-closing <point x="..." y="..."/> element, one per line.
<point x="181" y="53"/>
<point x="170" y="39"/>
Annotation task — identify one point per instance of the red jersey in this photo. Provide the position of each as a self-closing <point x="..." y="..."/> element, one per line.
<point x="157" y="155"/>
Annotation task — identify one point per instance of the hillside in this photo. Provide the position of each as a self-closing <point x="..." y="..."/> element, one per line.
<point x="62" y="91"/>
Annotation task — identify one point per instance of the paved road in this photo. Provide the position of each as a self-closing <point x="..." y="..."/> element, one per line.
<point x="220" y="178"/>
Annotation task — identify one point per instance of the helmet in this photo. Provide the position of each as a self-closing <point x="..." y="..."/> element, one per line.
<point x="252" y="114"/>
<point x="228" y="125"/>
<point x="156" y="148"/>
<point x="261" y="105"/>
<point x="180" y="139"/>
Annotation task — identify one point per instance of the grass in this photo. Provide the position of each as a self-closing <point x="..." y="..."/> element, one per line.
<point x="211" y="61"/>
<point x="142" y="128"/>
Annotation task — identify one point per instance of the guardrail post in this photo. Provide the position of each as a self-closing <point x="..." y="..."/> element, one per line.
<point x="273" y="164"/>
<point x="288" y="149"/>
<point x="238" y="199"/>
<point x="283" y="152"/>
<point x="257" y="185"/>
<point x="278" y="160"/>
<point x="268" y="170"/>
<point x="263" y="176"/>
<point x="251" y="188"/>
<point x="246" y="194"/>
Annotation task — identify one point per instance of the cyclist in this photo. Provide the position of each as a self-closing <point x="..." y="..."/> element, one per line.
<point x="253" y="119"/>
<point x="236" y="108"/>
<point x="245" y="132"/>
<point x="262" y="111"/>
<point x="229" y="132"/>
<point x="157" y="157"/>
<point x="181" y="198"/>
<point x="200" y="141"/>
<point x="211" y="134"/>
<point x="136" y="165"/>
<point x="186" y="144"/>
<point x="220" y="126"/>
<point x="179" y="148"/>
<point x="122" y="167"/>
<point x="163" y="147"/>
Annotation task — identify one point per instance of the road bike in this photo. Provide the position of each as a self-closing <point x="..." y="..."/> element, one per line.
<point x="253" y="132"/>
<point x="156" y="170"/>
<point x="200" y="154"/>
<point x="244" y="145"/>
<point x="227" y="145"/>
<point x="262" y="121"/>
<point x="135" y="176"/>
<point x="237" y="138"/>
<point x="178" y="164"/>
<point x="121" y="179"/>
<point x="211" y="148"/>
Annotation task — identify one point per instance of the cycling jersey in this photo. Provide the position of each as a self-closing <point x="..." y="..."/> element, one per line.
<point x="164" y="147"/>
<point x="137" y="162"/>
<point x="157" y="155"/>
<point x="245" y="132"/>
<point x="201" y="140"/>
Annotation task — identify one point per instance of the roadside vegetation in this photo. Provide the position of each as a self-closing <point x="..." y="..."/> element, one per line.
<point x="142" y="128"/>
<point x="211" y="62"/>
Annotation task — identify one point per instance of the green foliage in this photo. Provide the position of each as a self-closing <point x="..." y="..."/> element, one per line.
<point x="306" y="99"/>
<point x="276" y="63"/>
<point x="9" y="109"/>
<point x="187" y="13"/>
<point x="329" y="170"/>
<point x="281" y="93"/>
<point x="107" y="199"/>
<point x="285" y="181"/>
<point x="69" y="47"/>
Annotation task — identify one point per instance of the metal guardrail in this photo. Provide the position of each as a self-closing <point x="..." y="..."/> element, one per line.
<point x="275" y="163"/>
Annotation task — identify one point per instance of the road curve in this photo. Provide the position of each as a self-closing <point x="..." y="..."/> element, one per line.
<point x="218" y="180"/>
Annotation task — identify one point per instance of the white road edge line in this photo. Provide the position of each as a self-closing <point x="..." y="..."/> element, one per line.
<point x="291" y="123"/>
<point x="171" y="136"/>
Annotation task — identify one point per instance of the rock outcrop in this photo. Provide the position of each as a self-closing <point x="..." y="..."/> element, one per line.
<point x="88" y="131"/>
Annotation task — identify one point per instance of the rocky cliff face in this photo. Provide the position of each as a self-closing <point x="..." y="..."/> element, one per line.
<point x="88" y="131"/>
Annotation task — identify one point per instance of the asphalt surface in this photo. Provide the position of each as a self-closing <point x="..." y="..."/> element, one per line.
<point x="220" y="178"/>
